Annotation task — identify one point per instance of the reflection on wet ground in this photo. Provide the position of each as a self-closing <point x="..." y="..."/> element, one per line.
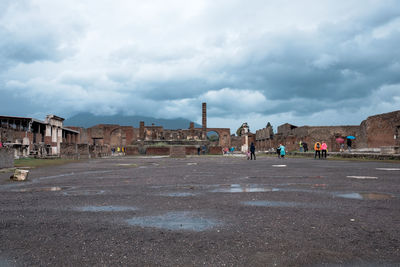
<point x="262" y="203"/>
<point x="183" y="220"/>
<point x="83" y="192"/>
<point x="388" y="169"/>
<point x="237" y="188"/>
<point x="362" y="177"/>
<point x="40" y="189"/>
<point x="366" y="196"/>
<point x="178" y="194"/>
<point x="106" y="208"/>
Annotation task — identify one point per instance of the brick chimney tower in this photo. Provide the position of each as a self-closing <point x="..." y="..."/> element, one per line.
<point x="204" y="116"/>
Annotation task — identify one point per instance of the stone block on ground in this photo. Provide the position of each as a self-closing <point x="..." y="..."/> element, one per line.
<point x="20" y="175"/>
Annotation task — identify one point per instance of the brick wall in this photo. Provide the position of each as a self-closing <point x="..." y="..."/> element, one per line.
<point x="131" y="150"/>
<point x="6" y="158"/>
<point x="191" y="150"/>
<point x="157" y="151"/>
<point x="178" y="152"/>
<point x="215" y="150"/>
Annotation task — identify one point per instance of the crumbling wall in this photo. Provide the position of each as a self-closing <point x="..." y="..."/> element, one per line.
<point x="69" y="151"/>
<point x="6" y="158"/>
<point x="381" y="130"/>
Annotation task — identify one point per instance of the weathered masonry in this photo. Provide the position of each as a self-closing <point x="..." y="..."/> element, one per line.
<point x="122" y="136"/>
<point x="32" y="137"/>
<point x="374" y="133"/>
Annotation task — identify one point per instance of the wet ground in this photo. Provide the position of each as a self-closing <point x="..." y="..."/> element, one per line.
<point x="213" y="211"/>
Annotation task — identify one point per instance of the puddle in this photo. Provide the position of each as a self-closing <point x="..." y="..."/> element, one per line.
<point x="366" y="196"/>
<point x="178" y="194"/>
<point x="362" y="177"/>
<point x="237" y="188"/>
<point x="388" y="169"/>
<point x="84" y="192"/>
<point x="106" y="208"/>
<point x="187" y="221"/>
<point x="261" y="203"/>
<point x="279" y="166"/>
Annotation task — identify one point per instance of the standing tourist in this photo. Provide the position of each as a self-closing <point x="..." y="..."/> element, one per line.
<point x="324" y="148"/>
<point x="282" y="151"/>
<point x="317" y="148"/>
<point x="278" y="151"/>
<point x="349" y="144"/>
<point x="301" y="146"/>
<point x="253" y="151"/>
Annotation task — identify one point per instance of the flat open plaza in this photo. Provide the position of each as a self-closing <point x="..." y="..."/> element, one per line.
<point x="212" y="211"/>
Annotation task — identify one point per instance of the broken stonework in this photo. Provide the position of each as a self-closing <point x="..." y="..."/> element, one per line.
<point x="20" y="175"/>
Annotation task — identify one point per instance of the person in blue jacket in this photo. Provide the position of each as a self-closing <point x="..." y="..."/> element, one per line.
<point x="252" y="151"/>
<point x="283" y="152"/>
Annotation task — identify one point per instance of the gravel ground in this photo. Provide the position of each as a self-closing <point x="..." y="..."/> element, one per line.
<point x="212" y="211"/>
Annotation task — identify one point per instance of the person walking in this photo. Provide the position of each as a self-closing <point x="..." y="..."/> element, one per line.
<point x="349" y="144"/>
<point x="253" y="151"/>
<point x="301" y="146"/>
<point x="317" y="148"/>
<point x="324" y="148"/>
<point x="305" y="146"/>
<point x="282" y="151"/>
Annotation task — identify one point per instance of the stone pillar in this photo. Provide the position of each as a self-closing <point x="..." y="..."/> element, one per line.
<point x="141" y="131"/>
<point x="204" y="120"/>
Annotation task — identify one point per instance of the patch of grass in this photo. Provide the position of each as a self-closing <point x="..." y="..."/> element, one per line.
<point x="36" y="163"/>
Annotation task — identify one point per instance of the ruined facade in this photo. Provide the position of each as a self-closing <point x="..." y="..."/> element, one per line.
<point x="32" y="137"/>
<point x="123" y="136"/>
<point x="374" y="132"/>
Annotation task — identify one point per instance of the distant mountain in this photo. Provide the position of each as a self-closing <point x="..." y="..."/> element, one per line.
<point x="87" y="120"/>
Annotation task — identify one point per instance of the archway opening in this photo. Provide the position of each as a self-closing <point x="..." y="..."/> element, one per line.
<point x="213" y="138"/>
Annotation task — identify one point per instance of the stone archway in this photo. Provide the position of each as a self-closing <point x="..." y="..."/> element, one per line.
<point x="224" y="136"/>
<point x="117" y="138"/>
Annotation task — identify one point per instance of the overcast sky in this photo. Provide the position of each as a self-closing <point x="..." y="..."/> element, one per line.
<point x="309" y="62"/>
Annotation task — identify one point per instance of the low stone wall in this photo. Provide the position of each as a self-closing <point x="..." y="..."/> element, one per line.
<point x="6" y="158"/>
<point x="177" y="152"/>
<point x="191" y="150"/>
<point x="215" y="150"/>
<point x="157" y="151"/>
<point x="373" y="156"/>
<point x="131" y="150"/>
<point x="98" y="151"/>
<point x="390" y="150"/>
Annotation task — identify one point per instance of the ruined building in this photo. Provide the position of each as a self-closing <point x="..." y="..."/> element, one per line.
<point x="373" y="133"/>
<point x="30" y="137"/>
<point x="124" y="136"/>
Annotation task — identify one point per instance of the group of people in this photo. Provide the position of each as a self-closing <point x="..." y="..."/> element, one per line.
<point x="281" y="151"/>
<point x="320" y="149"/>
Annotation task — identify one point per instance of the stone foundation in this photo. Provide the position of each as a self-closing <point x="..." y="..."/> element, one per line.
<point x="215" y="150"/>
<point x="157" y="151"/>
<point x="178" y="152"/>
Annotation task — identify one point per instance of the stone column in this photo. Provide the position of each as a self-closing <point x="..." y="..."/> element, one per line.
<point x="204" y="120"/>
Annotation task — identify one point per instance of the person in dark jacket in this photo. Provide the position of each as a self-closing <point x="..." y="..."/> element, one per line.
<point x="349" y="144"/>
<point x="252" y="151"/>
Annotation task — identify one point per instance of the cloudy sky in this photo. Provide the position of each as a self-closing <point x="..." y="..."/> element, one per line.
<point x="309" y="62"/>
